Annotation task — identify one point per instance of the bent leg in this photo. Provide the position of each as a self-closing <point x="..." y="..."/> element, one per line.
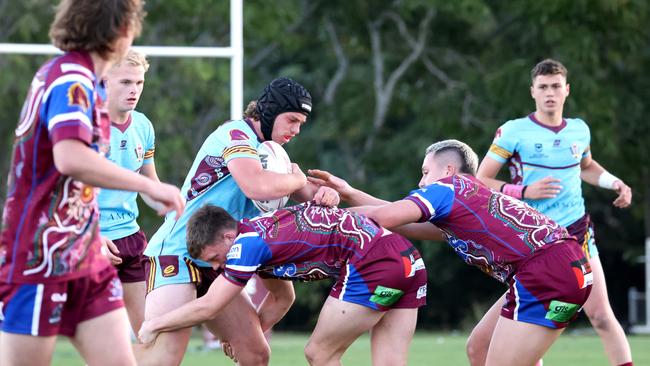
<point x="169" y="348"/>
<point x="339" y="324"/>
<point x="516" y="343"/>
<point x="114" y="345"/>
<point x="239" y="325"/>
<point x="478" y="341"/>
<point x="602" y="318"/>
<point x="134" y="293"/>
<point x="391" y="337"/>
<point x="15" y="347"/>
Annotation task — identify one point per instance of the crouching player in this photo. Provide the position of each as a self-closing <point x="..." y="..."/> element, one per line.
<point x="548" y="276"/>
<point x="381" y="279"/>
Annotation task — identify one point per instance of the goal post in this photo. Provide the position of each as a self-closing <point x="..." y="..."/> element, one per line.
<point x="235" y="52"/>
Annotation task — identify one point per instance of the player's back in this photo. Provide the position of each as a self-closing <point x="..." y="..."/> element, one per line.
<point x="486" y="228"/>
<point x="309" y="242"/>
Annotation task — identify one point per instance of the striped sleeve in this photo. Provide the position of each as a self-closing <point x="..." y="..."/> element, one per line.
<point x="150" y="148"/>
<point x="68" y="108"/>
<point x="435" y="201"/>
<point x="246" y="255"/>
<point x="504" y="144"/>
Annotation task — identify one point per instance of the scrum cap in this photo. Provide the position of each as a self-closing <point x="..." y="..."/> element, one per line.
<point x="280" y="96"/>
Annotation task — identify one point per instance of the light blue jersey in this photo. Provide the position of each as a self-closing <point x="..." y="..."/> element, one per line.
<point x="209" y="181"/>
<point x="132" y="146"/>
<point x="534" y="151"/>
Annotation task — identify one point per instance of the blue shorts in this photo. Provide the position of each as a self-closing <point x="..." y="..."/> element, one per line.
<point x="583" y="230"/>
<point x="172" y="270"/>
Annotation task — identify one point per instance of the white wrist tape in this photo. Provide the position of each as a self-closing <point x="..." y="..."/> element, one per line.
<point x="606" y="180"/>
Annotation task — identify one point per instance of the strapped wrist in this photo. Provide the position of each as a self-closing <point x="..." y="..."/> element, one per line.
<point x="514" y="190"/>
<point x="606" y="180"/>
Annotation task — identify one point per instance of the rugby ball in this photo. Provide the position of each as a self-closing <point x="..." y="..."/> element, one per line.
<point x="274" y="159"/>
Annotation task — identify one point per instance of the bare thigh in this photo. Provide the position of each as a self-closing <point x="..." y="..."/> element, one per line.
<point x="516" y="343"/>
<point x="479" y="340"/>
<point x="339" y="324"/>
<point x="169" y="348"/>
<point x="391" y="337"/>
<point x="113" y="347"/>
<point x="239" y="325"/>
<point x="14" y="347"/>
<point x="134" y="293"/>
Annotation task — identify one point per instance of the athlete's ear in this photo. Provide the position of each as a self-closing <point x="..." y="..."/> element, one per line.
<point x="230" y="235"/>
<point x="568" y="89"/>
<point x="450" y="170"/>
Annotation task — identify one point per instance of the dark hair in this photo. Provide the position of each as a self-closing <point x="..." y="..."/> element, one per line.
<point x="205" y="225"/>
<point x="548" y="67"/>
<point x="93" y="25"/>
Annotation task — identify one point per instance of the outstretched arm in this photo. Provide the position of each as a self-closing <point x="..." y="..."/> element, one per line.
<point x="220" y="293"/>
<point x="547" y="187"/>
<point x="349" y="194"/>
<point x="594" y="173"/>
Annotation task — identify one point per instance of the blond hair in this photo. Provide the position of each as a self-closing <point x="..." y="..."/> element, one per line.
<point x="134" y="58"/>
<point x="462" y="155"/>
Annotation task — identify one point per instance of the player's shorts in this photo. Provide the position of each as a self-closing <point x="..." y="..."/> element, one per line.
<point x="48" y="309"/>
<point x="583" y="230"/>
<point x="131" y="248"/>
<point x="173" y="270"/>
<point x="550" y="288"/>
<point x="390" y="276"/>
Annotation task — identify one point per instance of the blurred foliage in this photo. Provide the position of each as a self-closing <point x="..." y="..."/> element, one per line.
<point x="470" y="74"/>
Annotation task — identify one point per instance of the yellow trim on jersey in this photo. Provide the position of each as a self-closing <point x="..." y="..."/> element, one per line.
<point x="500" y="151"/>
<point x="248" y="150"/>
<point x="149" y="153"/>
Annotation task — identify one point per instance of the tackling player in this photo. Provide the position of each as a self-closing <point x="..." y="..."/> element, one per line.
<point x="380" y="276"/>
<point x="548" y="156"/>
<point x="547" y="274"/>
<point x="53" y="278"/>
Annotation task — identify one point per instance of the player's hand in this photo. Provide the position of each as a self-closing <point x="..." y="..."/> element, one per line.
<point x="624" y="198"/>
<point x="327" y="196"/>
<point x="544" y="188"/>
<point x="228" y="350"/>
<point x="327" y="179"/>
<point x="167" y="197"/>
<point x="109" y="249"/>
<point x="146" y="334"/>
<point x="301" y="179"/>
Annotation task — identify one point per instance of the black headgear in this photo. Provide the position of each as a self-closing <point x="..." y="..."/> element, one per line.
<point x="280" y="96"/>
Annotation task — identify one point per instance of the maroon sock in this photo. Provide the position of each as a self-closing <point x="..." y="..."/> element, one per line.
<point x="627" y="364"/>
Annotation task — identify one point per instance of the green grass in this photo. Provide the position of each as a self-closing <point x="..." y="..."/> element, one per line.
<point x="575" y="348"/>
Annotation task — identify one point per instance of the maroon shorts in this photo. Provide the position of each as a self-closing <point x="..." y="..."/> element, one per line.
<point x="131" y="248"/>
<point x="390" y="276"/>
<point x="550" y="288"/>
<point x="583" y="230"/>
<point x="47" y="309"/>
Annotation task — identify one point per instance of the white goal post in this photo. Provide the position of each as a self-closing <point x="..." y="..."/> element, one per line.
<point x="235" y="52"/>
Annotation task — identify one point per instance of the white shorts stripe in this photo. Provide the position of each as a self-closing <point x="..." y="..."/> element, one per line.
<point x="36" y="314"/>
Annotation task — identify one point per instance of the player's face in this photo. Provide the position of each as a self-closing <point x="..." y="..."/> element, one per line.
<point x="287" y="126"/>
<point x="215" y="254"/>
<point x="124" y="86"/>
<point x="549" y="92"/>
<point x="432" y="171"/>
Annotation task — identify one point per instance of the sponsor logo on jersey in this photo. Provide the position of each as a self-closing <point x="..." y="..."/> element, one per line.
<point x="234" y="252"/>
<point x="575" y="151"/>
<point x="78" y="97"/>
<point x="422" y="292"/>
<point x="582" y="270"/>
<point x="57" y="297"/>
<point x="238" y="135"/>
<point x="561" y="312"/>
<point x="139" y="152"/>
<point x="116" y="290"/>
<point x="556" y="143"/>
<point x="55" y="317"/>
<point x="203" y="179"/>
<point x="538" y="147"/>
<point x="285" y="270"/>
<point x="123" y="145"/>
<point x="386" y="296"/>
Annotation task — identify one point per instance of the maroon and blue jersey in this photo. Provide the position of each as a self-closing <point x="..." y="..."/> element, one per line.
<point x="49" y="223"/>
<point x="485" y="228"/>
<point x="305" y="242"/>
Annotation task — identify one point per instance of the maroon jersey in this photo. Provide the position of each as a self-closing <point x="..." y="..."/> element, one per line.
<point x="487" y="229"/>
<point x="49" y="223"/>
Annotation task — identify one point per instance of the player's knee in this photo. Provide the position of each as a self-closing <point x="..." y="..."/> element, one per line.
<point x="603" y="320"/>
<point x="317" y="355"/>
<point x="256" y="355"/>
<point x="476" y="351"/>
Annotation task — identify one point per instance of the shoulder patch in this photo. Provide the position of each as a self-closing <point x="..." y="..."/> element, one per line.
<point x="234" y="252"/>
<point x="238" y="135"/>
<point x="78" y="96"/>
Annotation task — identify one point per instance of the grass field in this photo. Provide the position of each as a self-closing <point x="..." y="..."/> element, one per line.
<point x="427" y="349"/>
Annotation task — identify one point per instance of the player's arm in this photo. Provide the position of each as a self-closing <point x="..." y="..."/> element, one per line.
<point x="394" y="214"/>
<point x="220" y="294"/>
<point x="349" y="194"/>
<point x="420" y="231"/>
<point x="547" y="187"/>
<point x="149" y="171"/>
<point x="487" y="172"/>
<point x="260" y="184"/>
<point x="74" y="158"/>
<point x="322" y="195"/>
<point x="594" y="173"/>
<point x="277" y="302"/>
